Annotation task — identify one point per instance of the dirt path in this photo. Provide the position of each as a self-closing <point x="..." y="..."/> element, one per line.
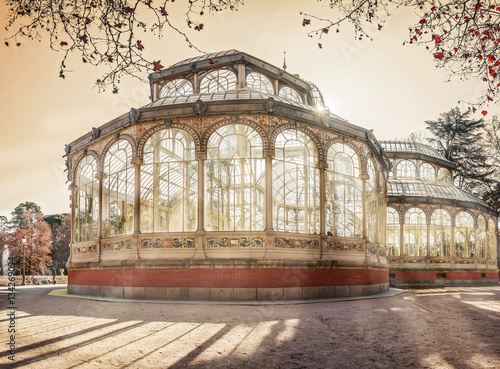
<point x="438" y="328"/>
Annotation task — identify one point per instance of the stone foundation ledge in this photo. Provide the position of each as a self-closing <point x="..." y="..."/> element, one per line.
<point x="443" y="283"/>
<point x="228" y="294"/>
<point x="243" y="263"/>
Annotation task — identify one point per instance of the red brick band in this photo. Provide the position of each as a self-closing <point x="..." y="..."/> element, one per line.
<point x="227" y="278"/>
<point x="427" y="276"/>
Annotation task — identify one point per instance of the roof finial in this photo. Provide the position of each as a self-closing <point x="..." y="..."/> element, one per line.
<point x="284" y="60"/>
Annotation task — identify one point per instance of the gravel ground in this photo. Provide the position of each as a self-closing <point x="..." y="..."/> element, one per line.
<point x="434" y="328"/>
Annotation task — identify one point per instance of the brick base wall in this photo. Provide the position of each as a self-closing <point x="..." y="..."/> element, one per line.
<point x="441" y="278"/>
<point x="261" y="284"/>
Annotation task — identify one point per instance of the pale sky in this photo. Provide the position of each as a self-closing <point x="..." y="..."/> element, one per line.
<point x="379" y="85"/>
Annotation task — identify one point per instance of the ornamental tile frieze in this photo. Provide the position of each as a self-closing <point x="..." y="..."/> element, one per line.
<point x="372" y="250"/>
<point x="464" y="261"/>
<point x="288" y="243"/>
<point x="168" y="243"/>
<point x="345" y="246"/>
<point x="84" y="250"/>
<point x="414" y="261"/>
<point x="117" y="245"/>
<point x="439" y="261"/>
<point x="234" y="242"/>
<point x="393" y="260"/>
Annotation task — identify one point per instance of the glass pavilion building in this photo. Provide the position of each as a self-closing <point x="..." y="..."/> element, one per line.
<point x="237" y="183"/>
<point x="437" y="233"/>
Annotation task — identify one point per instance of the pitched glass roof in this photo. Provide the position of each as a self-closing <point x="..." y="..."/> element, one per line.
<point x="433" y="189"/>
<point x="229" y="95"/>
<point x="205" y="57"/>
<point x="408" y="146"/>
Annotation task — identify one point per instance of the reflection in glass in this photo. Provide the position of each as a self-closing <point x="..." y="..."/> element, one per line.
<point x="234" y="180"/>
<point x="118" y="190"/>
<point x="169" y="183"/>
<point x="440" y="230"/>
<point x="295" y="184"/>
<point x="344" y="191"/>
<point x="415" y="233"/>
<point x="86" y="200"/>
<point x="220" y="80"/>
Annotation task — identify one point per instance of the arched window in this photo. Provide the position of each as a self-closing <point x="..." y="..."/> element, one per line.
<point x="290" y="94"/>
<point x="234" y="180"/>
<point x="415" y="233"/>
<point x="258" y="82"/>
<point x="118" y="190"/>
<point x="492" y="240"/>
<point x="344" y="192"/>
<point x="169" y="183"/>
<point x="440" y="230"/>
<point x="444" y="175"/>
<point x="87" y="200"/>
<point x="295" y="183"/>
<point x="481" y="237"/>
<point x="406" y="169"/>
<point x="464" y="235"/>
<point x="220" y="80"/>
<point x="371" y="203"/>
<point x="177" y="87"/>
<point x="427" y="172"/>
<point x="393" y="232"/>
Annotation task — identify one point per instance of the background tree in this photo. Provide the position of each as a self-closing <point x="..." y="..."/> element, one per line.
<point x="20" y="209"/>
<point x="105" y="32"/>
<point x="491" y="139"/>
<point x="461" y="36"/>
<point x="60" y="225"/>
<point x="3" y="223"/>
<point x="38" y="247"/>
<point x="459" y="139"/>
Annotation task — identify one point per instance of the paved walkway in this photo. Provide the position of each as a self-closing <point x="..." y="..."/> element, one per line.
<point x="450" y="328"/>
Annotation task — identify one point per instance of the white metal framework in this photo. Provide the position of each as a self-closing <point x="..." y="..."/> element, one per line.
<point x="169" y="183"/>
<point x="234" y="180"/>
<point x="344" y="192"/>
<point x="86" y="197"/>
<point x="295" y="184"/>
<point x="118" y="190"/>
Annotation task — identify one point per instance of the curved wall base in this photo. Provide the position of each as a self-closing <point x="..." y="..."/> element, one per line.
<point x="258" y="284"/>
<point x="423" y="279"/>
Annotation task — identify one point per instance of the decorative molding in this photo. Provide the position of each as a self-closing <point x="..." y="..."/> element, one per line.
<point x="134" y="115"/>
<point x="270" y="105"/>
<point x="287" y="243"/>
<point x="117" y="245"/>
<point x="200" y="107"/>
<point x="168" y="243"/>
<point x="234" y="242"/>
<point x="464" y="261"/>
<point x="95" y="133"/>
<point x="414" y="261"/>
<point x="86" y="249"/>
<point x="345" y="246"/>
<point x="439" y="261"/>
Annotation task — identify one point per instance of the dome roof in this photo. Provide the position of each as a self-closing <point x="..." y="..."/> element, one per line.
<point x="419" y="188"/>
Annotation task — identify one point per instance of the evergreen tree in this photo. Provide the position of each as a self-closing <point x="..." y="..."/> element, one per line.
<point x="20" y="209"/>
<point x="459" y="139"/>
